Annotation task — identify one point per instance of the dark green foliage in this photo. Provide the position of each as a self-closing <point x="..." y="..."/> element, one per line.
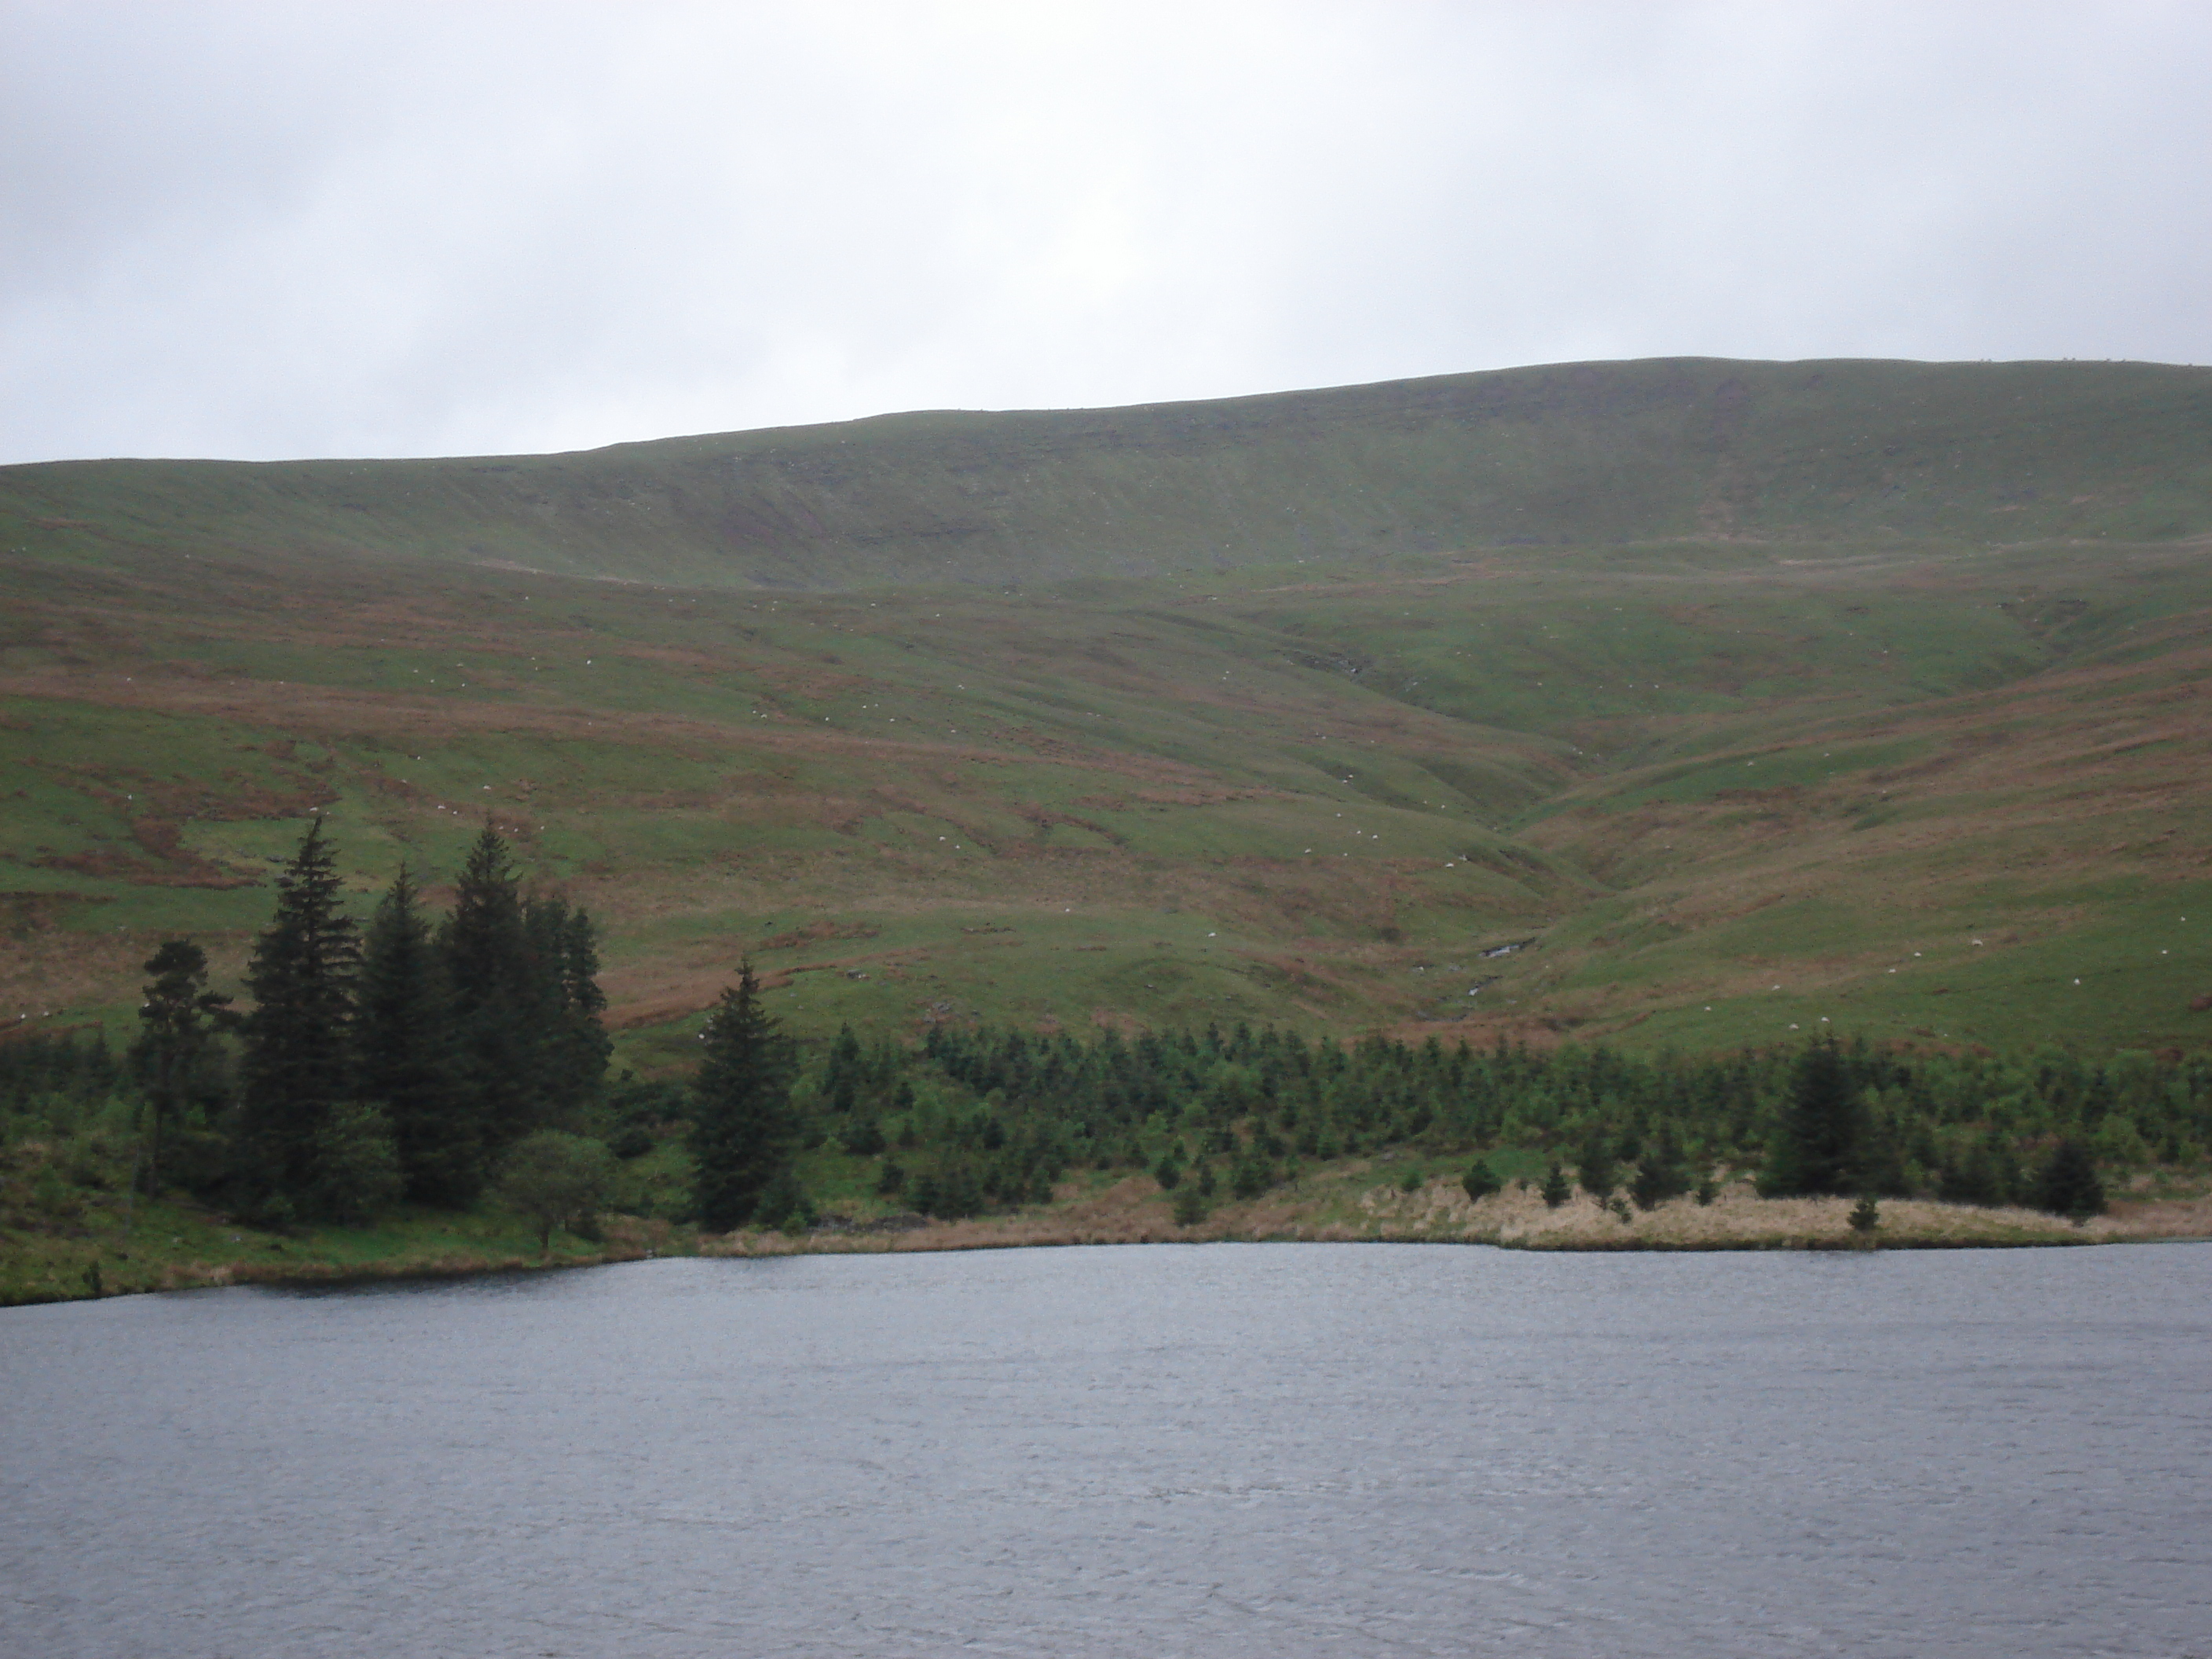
<point x="501" y="1007"/>
<point x="1251" y="1175"/>
<point x="1660" y="1174"/>
<point x="2069" y="1185"/>
<point x="1594" y="1169"/>
<point x="950" y="1193"/>
<point x="558" y="1181"/>
<point x="408" y="1053"/>
<point x="1168" y="1172"/>
<point x="175" y="1057"/>
<point x="526" y="1004"/>
<point x="1557" y="1188"/>
<point x="1866" y="1215"/>
<point x="783" y="1203"/>
<point x="1985" y="1173"/>
<point x="743" y="1129"/>
<point x="353" y="1166"/>
<point x="1014" y="1108"/>
<point x="297" y="1063"/>
<point x="1189" y="1207"/>
<point x="405" y="1064"/>
<point x="1820" y="1144"/>
<point x="563" y="958"/>
<point x="650" y="1104"/>
<point x="862" y="1140"/>
<point x="1480" y="1181"/>
<point x="49" y="1084"/>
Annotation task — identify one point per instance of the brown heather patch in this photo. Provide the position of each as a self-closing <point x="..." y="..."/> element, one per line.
<point x="815" y="932"/>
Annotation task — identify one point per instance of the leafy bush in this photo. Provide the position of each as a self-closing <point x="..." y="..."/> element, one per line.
<point x="556" y="1180"/>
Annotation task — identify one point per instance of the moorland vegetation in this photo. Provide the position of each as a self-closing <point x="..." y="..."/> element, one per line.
<point x="1678" y="712"/>
<point x="426" y="1064"/>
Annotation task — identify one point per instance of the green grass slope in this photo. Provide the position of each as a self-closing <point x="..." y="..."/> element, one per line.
<point x="1575" y="454"/>
<point x="1690" y="793"/>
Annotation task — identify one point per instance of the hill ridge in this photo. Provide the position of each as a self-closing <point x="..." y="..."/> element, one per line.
<point x="1564" y="454"/>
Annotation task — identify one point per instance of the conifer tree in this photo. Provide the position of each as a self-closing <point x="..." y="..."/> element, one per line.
<point x="297" y="1063"/>
<point x="562" y="968"/>
<point x="407" y="1053"/>
<point x="1659" y="1172"/>
<point x="741" y="1119"/>
<point x="2069" y="1185"/>
<point x="179" y="1018"/>
<point x="498" y="1025"/>
<point x="1557" y="1191"/>
<point x="525" y="1000"/>
<point x="1598" y="1173"/>
<point x="1822" y="1128"/>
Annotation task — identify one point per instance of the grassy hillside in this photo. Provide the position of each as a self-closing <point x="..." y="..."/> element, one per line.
<point x="1572" y="455"/>
<point x="1719" y="795"/>
<point x="1583" y="701"/>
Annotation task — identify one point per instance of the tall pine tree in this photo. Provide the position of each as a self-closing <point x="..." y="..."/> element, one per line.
<point x="499" y="1024"/>
<point x="1823" y="1128"/>
<point x="179" y="1021"/>
<point x="742" y="1125"/>
<point x="296" y="1067"/>
<point x="406" y="1047"/>
<point x="563" y="966"/>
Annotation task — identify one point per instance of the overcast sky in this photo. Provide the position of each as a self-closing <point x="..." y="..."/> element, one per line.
<point x="318" y="228"/>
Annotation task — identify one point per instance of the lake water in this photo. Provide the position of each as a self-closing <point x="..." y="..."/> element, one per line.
<point x="1270" y="1450"/>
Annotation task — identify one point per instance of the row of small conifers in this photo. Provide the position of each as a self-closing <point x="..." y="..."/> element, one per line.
<point x="439" y="1060"/>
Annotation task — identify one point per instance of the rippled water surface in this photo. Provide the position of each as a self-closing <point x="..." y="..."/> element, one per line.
<point x="1269" y="1450"/>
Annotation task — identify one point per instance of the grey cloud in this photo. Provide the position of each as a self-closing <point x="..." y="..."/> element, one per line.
<point x="264" y="229"/>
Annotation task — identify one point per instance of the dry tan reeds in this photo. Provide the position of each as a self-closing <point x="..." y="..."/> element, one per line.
<point x="1133" y="1211"/>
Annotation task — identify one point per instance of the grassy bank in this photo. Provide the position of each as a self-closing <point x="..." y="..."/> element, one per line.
<point x="91" y="1245"/>
<point x="84" y="1242"/>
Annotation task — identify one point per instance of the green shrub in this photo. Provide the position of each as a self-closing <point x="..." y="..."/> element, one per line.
<point x="556" y="1180"/>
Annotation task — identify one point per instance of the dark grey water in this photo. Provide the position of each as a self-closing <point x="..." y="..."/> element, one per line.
<point x="1270" y="1450"/>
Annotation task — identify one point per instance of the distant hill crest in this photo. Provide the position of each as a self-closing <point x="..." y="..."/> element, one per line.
<point x="1575" y="453"/>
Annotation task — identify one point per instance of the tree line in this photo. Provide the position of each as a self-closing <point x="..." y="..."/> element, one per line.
<point x="422" y="1058"/>
<point x="977" y="1118"/>
<point x="398" y="1059"/>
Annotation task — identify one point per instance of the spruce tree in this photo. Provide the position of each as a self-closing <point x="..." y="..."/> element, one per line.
<point x="561" y="967"/>
<point x="297" y="1064"/>
<point x="2069" y="1185"/>
<point x="500" y="1024"/>
<point x="1822" y="1129"/>
<point x="1557" y="1190"/>
<point x="407" y="1053"/>
<point x="179" y="1019"/>
<point x="1598" y="1173"/>
<point x="742" y="1127"/>
<point x="1659" y="1175"/>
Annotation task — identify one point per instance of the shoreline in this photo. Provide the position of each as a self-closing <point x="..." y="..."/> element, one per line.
<point x="1133" y="1212"/>
<point x="1345" y="1208"/>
